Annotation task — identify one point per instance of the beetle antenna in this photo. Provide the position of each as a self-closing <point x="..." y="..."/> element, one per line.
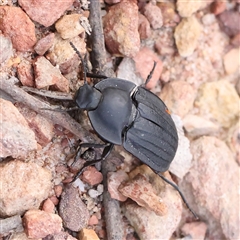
<point x="150" y="74"/>
<point x="179" y="191"/>
<point x="82" y="61"/>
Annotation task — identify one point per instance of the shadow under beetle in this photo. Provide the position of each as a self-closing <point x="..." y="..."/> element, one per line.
<point x="132" y="116"/>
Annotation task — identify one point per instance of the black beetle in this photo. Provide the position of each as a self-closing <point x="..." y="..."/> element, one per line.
<point x="125" y="114"/>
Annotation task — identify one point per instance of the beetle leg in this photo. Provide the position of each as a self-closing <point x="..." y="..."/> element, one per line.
<point x="106" y="151"/>
<point x="92" y="75"/>
<point x="179" y="191"/>
<point x="150" y="74"/>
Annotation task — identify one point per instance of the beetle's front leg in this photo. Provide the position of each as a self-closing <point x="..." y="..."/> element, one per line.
<point x="106" y="151"/>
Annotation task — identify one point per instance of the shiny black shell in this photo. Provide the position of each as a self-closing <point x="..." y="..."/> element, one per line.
<point x="138" y="120"/>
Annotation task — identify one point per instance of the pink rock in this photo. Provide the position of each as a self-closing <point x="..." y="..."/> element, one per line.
<point x="16" y="25"/>
<point x="212" y="184"/>
<point x="69" y="26"/>
<point x="54" y="199"/>
<point x="170" y="17"/>
<point x="21" y="189"/>
<point x="43" y="129"/>
<point x="144" y="61"/>
<point x="16" y="138"/>
<point x="114" y="180"/>
<point x="154" y="15"/>
<point x="179" y="97"/>
<point x="46" y="75"/>
<point x="25" y="73"/>
<point x="142" y="192"/>
<point x="72" y="205"/>
<point x="39" y="224"/>
<point x="229" y="22"/>
<point x="196" y="230"/>
<point x="44" y="44"/>
<point x="218" y="7"/>
<point x="58" y="190"/>
<point x="63" y="55"/>
<point x="121" y="29"/>
<point x="92" y="176"/>
<point x="146" y="223"/>
<point x="45" y="12"/>
<point x="48" y="206"/>
<point x="143" y="27"/>
<point x="93" y="220"/>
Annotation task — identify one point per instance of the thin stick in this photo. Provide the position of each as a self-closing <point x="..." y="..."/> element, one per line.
<point x="114" y="222"/>
<point x="61" y="118"/>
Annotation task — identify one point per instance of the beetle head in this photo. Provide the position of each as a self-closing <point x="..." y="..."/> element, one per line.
<point x="87" y="97"/>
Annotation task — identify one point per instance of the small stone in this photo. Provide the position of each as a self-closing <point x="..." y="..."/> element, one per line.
<point x="42" y="127"/>
<point x="88" y="234"/>
<point x="183" y="157"/>
<point x="120" y="27"/>
<point x="45" y="12"/>
<point x="186" y="35"/>
<point x="93" y="220"/>
<point x="170" y="17"/>
<point x="154" y="15"/>
<point x="114" y="181"/>
<point x="39" y="224"/>
<point x="25" y="73"/>
<point x="211" y="95"/>
<point x="93" y="193"/>
<point x="47" y="75"/>
<point x="197" y="230"/>
<point x="231" y="60"/>
<point x="229" y="22"/>
<point x="6" y="50"/>
<point x="92" y="176"/>
<point x="62" y="54"/>
<point x="73" y="211"/>
<point x="197" y="126"/>
<point x="10" y="224"/>
<point x="16" y="25"/>
<point x="48" y="206"/>
<point x="20" y="236"/>
<point x="146" y="223"/>
<point x="218" y="7"/>
<point x="17" y="139"/>
<point x="179" y="97"/>
<point x="54" y="199"/>
<point x="69" y="26"/>
<point x="142" y="192"/>
<point x="143" y="27"/>
<point x="214" y="172"/>
<point x="144" y="62"/>
<point x="187" y="7"/>
<point x="21" y="190"/>
<point x="58" y="190"/>
<point x="44" y="44"/>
